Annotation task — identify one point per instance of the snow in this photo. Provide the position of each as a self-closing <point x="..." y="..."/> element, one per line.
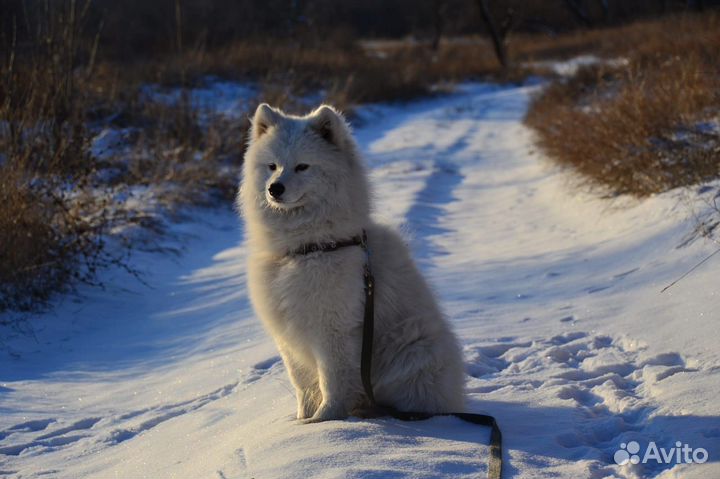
<point x="220" y="97"/>
<point x="554" y="293"/>
<point x="569" y="67"/>
<point x="111" y="142"/>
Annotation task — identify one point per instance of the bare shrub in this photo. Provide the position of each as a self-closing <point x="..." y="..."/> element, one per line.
<point x="634" y="129"/>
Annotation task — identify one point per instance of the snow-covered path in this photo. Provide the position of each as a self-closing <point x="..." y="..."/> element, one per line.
<point x="554" y="293"/>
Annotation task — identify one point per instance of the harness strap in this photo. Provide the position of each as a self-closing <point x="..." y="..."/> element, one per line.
<point x="327" y="247"/>
<point x="495" y="460"/>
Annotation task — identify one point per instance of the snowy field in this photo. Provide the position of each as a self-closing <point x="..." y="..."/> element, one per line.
<point x="554" y="293"/>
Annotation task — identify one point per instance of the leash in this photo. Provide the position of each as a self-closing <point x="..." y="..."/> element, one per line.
<point x="495" y="460"/>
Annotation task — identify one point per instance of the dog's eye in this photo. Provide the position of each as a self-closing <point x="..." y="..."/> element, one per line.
<point x="272" y="166"/>
<point x="302" y="167"/>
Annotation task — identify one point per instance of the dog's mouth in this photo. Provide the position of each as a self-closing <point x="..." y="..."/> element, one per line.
<point x="282" y="204"/>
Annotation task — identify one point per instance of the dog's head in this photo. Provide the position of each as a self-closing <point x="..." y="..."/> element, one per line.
<point x="302" y="169"/>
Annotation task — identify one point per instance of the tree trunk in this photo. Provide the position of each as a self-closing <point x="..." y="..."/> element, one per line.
<point x="497" y="39"/>
<point x="438" y="21"/>
<point x="576" y="7"/>
<point x="605" y="5"/>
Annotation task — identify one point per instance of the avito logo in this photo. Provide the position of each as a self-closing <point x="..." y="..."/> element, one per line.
<point x="680" y="454"/>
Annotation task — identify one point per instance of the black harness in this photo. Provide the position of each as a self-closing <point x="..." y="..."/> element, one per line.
<point x="330" y="246"/>
<point x="495" y="460"/>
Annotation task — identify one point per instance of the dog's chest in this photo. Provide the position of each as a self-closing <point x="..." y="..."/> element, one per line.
<point x="320" y="287"/>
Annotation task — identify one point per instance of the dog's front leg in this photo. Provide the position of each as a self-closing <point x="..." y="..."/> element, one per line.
<point x="338" y="378"/>
<point x="305" y="380"/>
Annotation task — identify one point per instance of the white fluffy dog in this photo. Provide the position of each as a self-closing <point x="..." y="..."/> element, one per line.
<point x="304" y="183"/>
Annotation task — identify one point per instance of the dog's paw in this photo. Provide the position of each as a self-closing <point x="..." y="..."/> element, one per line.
<point x="304" y="413"/>
<point x="310" y="420"/>
<point x="326" y="413"/>
<point x="308" y="403"/>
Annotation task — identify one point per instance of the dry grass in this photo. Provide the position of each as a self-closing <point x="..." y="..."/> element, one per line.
<point x="635" y="129"/>
<point x="349" y="74"/>
<point x="34" y="248"/>
<point x="42" y="138"/>
<point x="188" y="161"/>
<point x="287" y="71"/>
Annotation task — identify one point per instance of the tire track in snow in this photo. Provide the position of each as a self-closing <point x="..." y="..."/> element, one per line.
<point x="424" y="217"/>
<point x="35" y="437"/>
<point x="157" y="416"/>
<point x="108" y="431"/>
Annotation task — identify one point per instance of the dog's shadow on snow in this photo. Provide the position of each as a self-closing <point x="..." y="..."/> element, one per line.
<point x="543" y="435"/>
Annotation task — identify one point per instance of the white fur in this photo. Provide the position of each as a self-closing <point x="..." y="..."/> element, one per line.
<point x="312" y="305"/>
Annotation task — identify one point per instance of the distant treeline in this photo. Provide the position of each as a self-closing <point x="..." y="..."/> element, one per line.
<point x="139" y="28"/>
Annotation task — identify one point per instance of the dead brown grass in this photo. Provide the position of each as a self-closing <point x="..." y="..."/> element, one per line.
<point x="634" y="129"/>
<point x="29" y="246"/>
<point x="42" y="138"/>
<point x="197" y="162"/>
<point x="287" y="71"/>
<point x="48" y="243"/>
<point x="348" y="73"/>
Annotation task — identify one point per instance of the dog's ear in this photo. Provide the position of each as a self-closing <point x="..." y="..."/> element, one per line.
<point x="330" y="125"/>
<point x="264" y="118"/>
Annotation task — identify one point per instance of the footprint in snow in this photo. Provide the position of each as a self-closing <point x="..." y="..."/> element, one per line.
<point x="263" y="368"/>
<point x="40" y="436"/>
<point x="236" y="465"/>
<point x="49" y="441"/>
<point x="606" y="383"/>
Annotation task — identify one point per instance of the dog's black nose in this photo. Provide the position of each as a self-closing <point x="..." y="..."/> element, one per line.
<point x="276" y="190"/>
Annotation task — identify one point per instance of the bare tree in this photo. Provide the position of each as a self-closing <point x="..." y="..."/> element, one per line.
<point x="605" y="6"/>
<point x="497" y="35"/>
<point x="439" y="11"/>
<point x="578" y="9"/>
